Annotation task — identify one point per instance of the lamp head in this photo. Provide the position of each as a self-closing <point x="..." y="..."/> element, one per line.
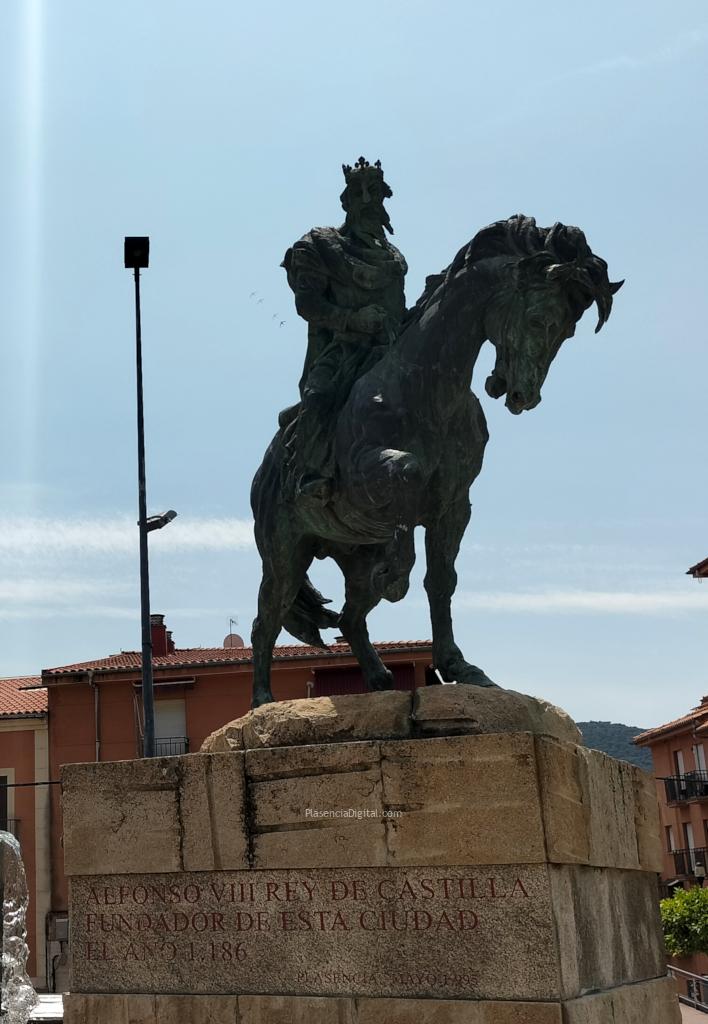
<point x="136" y="252"/>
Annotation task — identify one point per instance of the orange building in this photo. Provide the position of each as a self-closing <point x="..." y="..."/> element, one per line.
<point x="95" y="707"/>
<point x="24" y="805"/>
<point x="679" y="750"/>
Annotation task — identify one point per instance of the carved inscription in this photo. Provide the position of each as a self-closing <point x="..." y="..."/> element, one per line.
<point x="377" y="931"/>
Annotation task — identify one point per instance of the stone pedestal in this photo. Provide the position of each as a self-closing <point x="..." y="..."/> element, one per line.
<point x="456" y="858"/>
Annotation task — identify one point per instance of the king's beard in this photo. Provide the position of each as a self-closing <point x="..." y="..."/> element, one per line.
<point x="370" y="229"/>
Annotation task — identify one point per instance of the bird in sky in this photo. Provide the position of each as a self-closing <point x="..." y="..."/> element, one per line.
<point x="252" y="294"/>
<point x="260" y="301"/>
<point x="282" y="323"/>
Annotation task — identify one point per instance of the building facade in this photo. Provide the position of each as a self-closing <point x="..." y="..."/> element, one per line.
<point x="679" y="751"/>
<point x="24" y="802"/>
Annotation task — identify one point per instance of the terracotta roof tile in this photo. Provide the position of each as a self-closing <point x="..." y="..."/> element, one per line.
<point x="15" y="702"/>
<point x="130" y="661"/>
<point x="693" y="717"/>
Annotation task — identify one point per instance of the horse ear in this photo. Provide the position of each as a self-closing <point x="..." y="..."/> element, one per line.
<point x="615" y="286"/>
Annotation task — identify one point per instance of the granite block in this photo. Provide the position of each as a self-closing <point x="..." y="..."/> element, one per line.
<point x="465" y="800"/>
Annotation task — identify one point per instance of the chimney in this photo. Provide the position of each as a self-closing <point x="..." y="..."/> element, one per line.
<point x="170" y="643"/>
<point x="158" y="635"/>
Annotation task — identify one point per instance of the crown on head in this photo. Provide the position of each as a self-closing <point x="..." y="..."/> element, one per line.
<point x="361" y="165"/>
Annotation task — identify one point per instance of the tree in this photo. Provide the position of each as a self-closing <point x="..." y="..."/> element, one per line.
<point x="684" y="918"/>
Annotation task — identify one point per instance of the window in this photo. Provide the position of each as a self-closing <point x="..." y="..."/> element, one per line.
<point x="679" y="765"/>
<point x="690" y="844"/>
<point x="170" y="727"/>
<point x="8" y="823"/>
<point x="670" y="838"/>
<point x="699" y="757"/>
<point x="3" y="802"/>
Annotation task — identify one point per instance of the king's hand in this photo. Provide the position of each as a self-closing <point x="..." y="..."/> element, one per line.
<point x="369" y="320"/>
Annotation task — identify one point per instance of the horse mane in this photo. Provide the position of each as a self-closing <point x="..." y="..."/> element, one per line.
<point x="562" y="247"/>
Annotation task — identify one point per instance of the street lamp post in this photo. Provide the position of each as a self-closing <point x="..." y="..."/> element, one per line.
<point x="136" y="257"/>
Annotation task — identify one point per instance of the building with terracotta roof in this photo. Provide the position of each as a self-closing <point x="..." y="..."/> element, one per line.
<point x="24" y="800"/>
<point x="95" y="707"/>
<point x="679" y="750"/>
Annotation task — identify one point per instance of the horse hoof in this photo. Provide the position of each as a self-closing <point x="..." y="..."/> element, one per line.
<point x="396" y="591"/>
<point x="462" y="672"/>
<point x="381" y="683"/>
<point x="262" y="698"/>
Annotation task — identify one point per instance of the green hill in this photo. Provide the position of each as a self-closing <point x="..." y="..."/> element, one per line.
<point x="616" y="740"/>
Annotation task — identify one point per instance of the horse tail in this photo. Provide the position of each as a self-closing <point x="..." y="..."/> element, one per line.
<point x="307" y="615"/>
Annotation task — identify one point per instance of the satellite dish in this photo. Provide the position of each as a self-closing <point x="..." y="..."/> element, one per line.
<point x="233" y="640"/>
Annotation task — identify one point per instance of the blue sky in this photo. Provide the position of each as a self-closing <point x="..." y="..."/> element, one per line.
<point x="219" y="130"/>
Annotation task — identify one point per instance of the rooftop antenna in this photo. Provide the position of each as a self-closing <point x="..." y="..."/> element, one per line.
<point x="232" y="640"/>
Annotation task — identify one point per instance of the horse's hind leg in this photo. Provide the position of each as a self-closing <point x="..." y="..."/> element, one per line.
<point x="360" y="599"/>
<point x="278" y="590"/>
<point x="442" y="543"/>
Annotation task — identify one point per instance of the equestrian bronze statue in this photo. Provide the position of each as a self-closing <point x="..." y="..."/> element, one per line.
<point x="388" y="435"/>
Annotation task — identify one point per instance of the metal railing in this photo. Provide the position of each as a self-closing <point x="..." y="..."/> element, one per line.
<point x="167" y="746"/>
<point x="691" y="862"/>
<point x="692" y="988"/>
<point x="690" y="786"/>
<point x="11" y="825"/>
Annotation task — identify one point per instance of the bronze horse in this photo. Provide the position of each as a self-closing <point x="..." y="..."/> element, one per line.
<point x="410" y="439"/>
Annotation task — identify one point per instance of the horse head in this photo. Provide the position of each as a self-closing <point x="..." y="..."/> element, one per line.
<point x="543" y="280"/>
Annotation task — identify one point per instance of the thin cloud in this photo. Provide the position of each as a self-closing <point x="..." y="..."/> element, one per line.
<point x="677" y="48"/>
<point x="65" y="598"/>
<point x="673" y="51"/>
<point x="45" y="591"/>
<point x="81" y="612"/>
<point x="118" y="535"/>
<point x="554" y="602"/>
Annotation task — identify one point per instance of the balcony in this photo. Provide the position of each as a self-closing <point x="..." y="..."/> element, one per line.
<point x="691" y="862"/>
<point x="692" y="989"/>
<point x="11" y="825"/>
<point x="691" y="786"/>
<point x="168" y="746"/>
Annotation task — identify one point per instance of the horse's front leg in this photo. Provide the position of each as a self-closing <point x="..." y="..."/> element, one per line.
<point x="442" y="543"/>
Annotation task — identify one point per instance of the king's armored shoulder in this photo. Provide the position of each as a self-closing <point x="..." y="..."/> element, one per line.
<point x="313" y="251"/>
